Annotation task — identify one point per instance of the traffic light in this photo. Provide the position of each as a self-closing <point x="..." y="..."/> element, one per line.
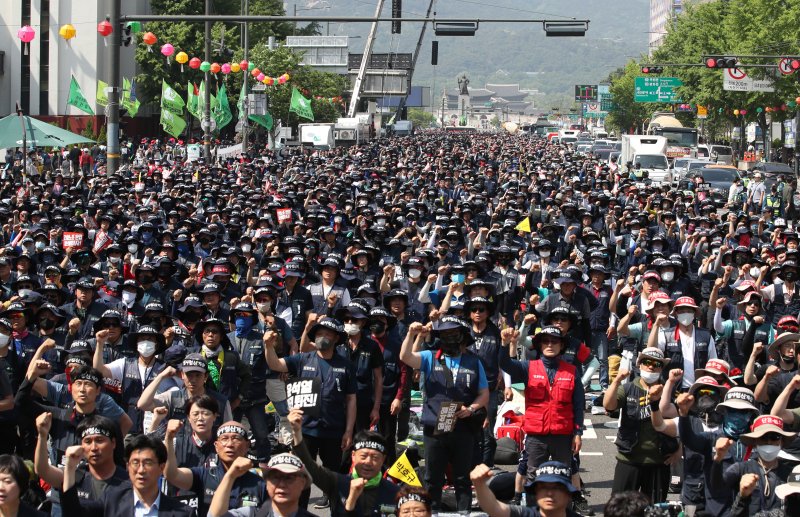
<point x="397" y="12"/>
<point x="721" y="62"/>
<point x="434" y="52"/>
<point x="128" y="37"/>
<point x="652" y="70"/>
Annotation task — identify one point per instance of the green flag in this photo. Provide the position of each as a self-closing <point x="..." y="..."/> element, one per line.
<point x="172" y="123"/>
<point x="126" y="89"/>
<point x="129" y="101"/>
<point x="77" y="99"/>
<point x="102" y="96"/>
<point x="262" y="120"/>
<point x="193" y="102"/>
<point x="301" y="105"/>
<point x="170" y="99"/>
<point x="240" y="104"/>
<point x="222" y="110"/>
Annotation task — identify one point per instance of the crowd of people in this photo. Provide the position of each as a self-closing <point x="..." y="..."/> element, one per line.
<point x="153" y="317"/>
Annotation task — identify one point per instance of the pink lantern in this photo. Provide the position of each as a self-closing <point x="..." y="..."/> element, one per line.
<point x="743" y="112"/>
<point x="226" y="68"/>
<point x="260" y="77"/>
<point x="281" y="80"/>
<point x="26" y="35"/>
<point x="243" y="65"/>
<point x="167" y="49"/>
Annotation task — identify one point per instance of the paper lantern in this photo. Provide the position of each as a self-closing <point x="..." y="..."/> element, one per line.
<point x="149" y="39"/>
<point x="768" y="109"/>
<point x="236" y="68"/>
<point x="67" y="32"/>
<point x="743" y="112"/>
<point x="254" y="72"/>
<point x="194" y="63"/>
<point x="783" y="107"/>
<point x="759" y="110"/>
<point x="226" y="68"/>
<point x="287" y="76"/>
<point x="26" y="34"/>
<point x="243" y="65"/>
<point x="215" y="68"/>
<point x="167" y="49"/>
<point x="260" y="77"/>
<point x="736" y="112"/>
<point x="105" y="28"/>
<point x="181" y="57"/>
<point x="251" y="66"/>
<point x="135" y="27"/>
<point x="270" y="81"/>
<point x="265" y="79"/>
<point x="205" y="66"/>
<point x="281" y="80"/>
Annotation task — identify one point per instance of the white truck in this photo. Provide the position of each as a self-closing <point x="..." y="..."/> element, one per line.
<point x="650" y="152"/>
<point x="352" y="130"/>
<point x="319" y="135"/>
<point x="403" y="128"/>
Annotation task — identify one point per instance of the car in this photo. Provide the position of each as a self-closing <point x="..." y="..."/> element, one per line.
<point x="603" y="153"/>
<point x="772" y="168"/>
<point x="583" y="148"/>
<point x="682" y="166"/>
<point x="718" y="153"/>
<point x="717" y="178"/>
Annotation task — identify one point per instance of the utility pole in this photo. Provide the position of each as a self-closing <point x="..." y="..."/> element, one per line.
<point x="207" y="93"/>
<point x="796" y="143"/>
<point x="403" y="100"/>
<point x="245" y="74"/>
<point x="112" y="131"/>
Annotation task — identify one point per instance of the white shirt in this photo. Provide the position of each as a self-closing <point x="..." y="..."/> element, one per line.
<point x="687" y="349"/>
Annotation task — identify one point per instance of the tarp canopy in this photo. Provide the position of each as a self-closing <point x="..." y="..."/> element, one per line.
<point x="39" y="134"/>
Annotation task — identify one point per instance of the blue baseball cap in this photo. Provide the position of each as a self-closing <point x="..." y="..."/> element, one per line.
<point x="554" y="472"/>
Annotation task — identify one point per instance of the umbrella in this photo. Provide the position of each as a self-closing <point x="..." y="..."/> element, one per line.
<point x="39" y="134"/>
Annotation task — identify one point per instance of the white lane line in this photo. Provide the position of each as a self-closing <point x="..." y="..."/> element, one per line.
<point x="588" y="431"/>
<point x="611" y="437"/>
<point x="591" y="453"/>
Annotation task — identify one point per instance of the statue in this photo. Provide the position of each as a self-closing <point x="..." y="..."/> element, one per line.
<point x="463" y="82"/>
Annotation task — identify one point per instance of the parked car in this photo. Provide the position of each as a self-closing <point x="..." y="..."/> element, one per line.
<point x="718" y="180"/>
<point x="773" y="168"/>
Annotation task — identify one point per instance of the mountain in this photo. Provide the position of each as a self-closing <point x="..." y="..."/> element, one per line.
<point x="506" y="52"/>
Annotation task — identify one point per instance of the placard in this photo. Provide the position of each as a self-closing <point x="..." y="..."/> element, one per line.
<point x="446" y="420"/>
<point x="304" y="394"/>
<point x="72" y="240"/>
<point x="284" y="214"/>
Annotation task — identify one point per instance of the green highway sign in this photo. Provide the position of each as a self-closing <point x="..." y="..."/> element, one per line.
<point x="656" y="89"/>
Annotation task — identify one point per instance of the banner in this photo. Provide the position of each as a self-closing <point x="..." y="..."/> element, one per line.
<point x="72" y="240"/>
<point x="102" y="96"/>
<point x="240" y="102"/>
<point x="262" y="120"/>
<point x="77" y="99"/>
<point x="129" y="101"/>
<point x="172" y="123"/>
<point x="221" y="112"/>
<point x="301" y="105"/>
<point x="193" y="102"/>
<point x="284" y="214"/>
<point x="403" y="471"/>
<point x="170" y="99"/>
<point x="305" y="394"/>
<point x="101" y="241"/>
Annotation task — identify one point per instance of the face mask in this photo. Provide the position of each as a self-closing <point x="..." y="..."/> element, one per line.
<point x="377" y="328"/>
<point x="657" y="247"/>
<point x="46" y="324"/>
<point x="146" y="348"/>
<point x="777" y="281"/>
<point x="263" y="308"/>
<point x="790" y="276"/>
<point x="4" y="340"/>
<point x="706" y="404"/>
<point x="414" y="273"/>
<point x="352" y="329"/>
<point x="650" y="377"/>
<point x="755" y="271"/>
<point x="323" y="343"/>
<point x="128" y="298"/>
<point x="787" y="359"/>
<point x="668" y="276"/>
<point x="211" y="353"/>
<point x="133" y="248"/>
<point x="735" y="424"/>
<point x="768" y="452"/>
<point x="459" y="279"/>
<point x="246" y="248"/>
<point x="40" y="246"/>
<point x="243" y="325"/>
<point x="544" y="254"/>
<point x="686" y="319"/>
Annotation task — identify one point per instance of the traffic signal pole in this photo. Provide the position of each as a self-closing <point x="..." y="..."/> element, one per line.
<point x="112" y="118"/>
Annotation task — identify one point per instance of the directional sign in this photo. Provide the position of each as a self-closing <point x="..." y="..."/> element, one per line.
<point x="656" y="89"/>
<point x="734" y="80"/>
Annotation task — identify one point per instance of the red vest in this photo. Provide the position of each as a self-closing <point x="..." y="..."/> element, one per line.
<point x="548" y="409"/>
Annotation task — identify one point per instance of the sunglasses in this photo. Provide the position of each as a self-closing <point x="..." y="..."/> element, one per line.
<point x="754" y="302"/>
<point x="550" y="342"/>
<point x="478" y="310"/>
<point x="651" y="364"/>
<point x="789" y="328"/>
<point x="706" y="392"/>
<point x="560" y="318"/>
<point x="772" y="437"/>
<point x="110" y="325"/>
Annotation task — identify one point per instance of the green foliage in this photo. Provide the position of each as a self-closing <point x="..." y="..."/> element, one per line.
<point x="101" y="136"/>
<point x="88" y="131"/>
<point x="626" y="115"/>
<point x="421" y="118"/>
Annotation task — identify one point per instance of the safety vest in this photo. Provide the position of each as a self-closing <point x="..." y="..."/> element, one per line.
<point x="438" y="390"/>
<point x="674" y="351"/>
<point x="778" y="308"/>
<point x="132" y="387"/>
<point x="548" y="409"/>
<point x="737" y="336"/>
<point x="774" y="203"/>
<point x="319" y="297"/>
<point x="635" y="418"/>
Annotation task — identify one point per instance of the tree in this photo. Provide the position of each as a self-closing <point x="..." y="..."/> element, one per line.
<point x="626" y="115"/>
<point x="421" y="118"/>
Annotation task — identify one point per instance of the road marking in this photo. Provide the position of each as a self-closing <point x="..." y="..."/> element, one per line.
<point x="588" y="431"/>
<point x="591" y="453"/>
<point x="611" y="437"/>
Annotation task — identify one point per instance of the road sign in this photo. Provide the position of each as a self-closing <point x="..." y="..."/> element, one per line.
<point x="785" y="66"/>
<point x="702" y="111"/>
<point x="656" y="89"/>
<point x="734" y="80"/>
<point x="585" y="92"/>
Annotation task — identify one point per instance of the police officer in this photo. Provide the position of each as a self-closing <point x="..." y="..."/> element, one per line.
<point x="453" y="411"/>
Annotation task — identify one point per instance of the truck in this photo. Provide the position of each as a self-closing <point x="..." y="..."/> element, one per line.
<point x="351" y="130"/>
<point x="682" y="141"/>
<point x="568" y="136"/>
<point x="318" y="135"/>
<point x="403" y="128"/>
<point x="650" y="152"/>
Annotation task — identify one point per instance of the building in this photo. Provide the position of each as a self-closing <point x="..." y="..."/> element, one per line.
<point x="38" y="77"/>
<point x="662" y="13"/>
<point x="323" y="53"/>
<point x="505" y="101"/>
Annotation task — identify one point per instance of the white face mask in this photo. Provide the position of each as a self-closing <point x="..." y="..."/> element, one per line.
<point x="352" y="329"/>
<point x="755" y="271"/>
<point x="211" y="353"/>
<point x="777" y="281"/>
<point x="133" y="248"/>
<point x="263" y="308"/>
<point x="544" y="254"/>
<point x="768" y="452"/>
<point x="246" y="248"/>
<point x="4" y="340"/>
<point x="146" y="348"/>
<point x="658" y="247"/>
<point x="128" y="298"/>
<point x="414" y="273"/>
<point x="650" y="377"/>
<point x="668" y="276"/>
<point x="686" y="319"/>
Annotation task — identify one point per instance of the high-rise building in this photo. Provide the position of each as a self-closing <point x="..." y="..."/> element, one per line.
<point x="661" y="14"/>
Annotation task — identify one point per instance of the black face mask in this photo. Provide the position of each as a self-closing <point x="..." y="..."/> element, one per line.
<point x="789" y="276"/>
<point x="147" y="279"/>
<point x="47" y="324"/>
<point x="706" y="405"/>
<point x="786" y="359"/>
<point x="377" y="328"/>
<point x="191" y="316"/>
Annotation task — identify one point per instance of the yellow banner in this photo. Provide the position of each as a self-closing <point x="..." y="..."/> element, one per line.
<point x="403" y="471"/>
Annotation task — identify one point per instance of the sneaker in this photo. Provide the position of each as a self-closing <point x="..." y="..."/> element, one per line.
<point x="322" y="503"/>
<point x="598" y="410"/>
<point x="581" y="505"/>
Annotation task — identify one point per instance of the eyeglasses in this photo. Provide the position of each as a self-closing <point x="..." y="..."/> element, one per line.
<point x="211" y="331"/>
<point x="651" y="364"/>
<point x="148" y="464"/>
<point x="478" y="310"/>
<point x="204" y="414"/>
